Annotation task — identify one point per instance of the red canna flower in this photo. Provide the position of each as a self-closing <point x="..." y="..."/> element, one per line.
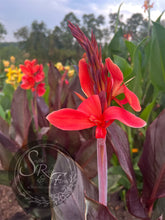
<point x="33" y="77"/>
<point x="101" y="83"/>
<point x="89" y="114"/>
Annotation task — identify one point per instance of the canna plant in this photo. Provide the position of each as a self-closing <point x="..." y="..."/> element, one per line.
<point x="102" y="84"/>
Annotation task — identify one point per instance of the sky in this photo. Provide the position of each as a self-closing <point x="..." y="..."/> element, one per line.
<point x="15" y="14"/>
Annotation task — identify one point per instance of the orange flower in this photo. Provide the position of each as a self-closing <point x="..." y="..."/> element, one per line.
<point x="147" y="5"/>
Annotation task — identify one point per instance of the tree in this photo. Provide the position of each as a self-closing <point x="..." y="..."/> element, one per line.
<point x="69" y="17"/>
<point x="37" y="42"/>
<point x="137" y="26"/>
<point x="2" y="31"/>
<point x="66" y="37"/>
<point x="116" y="22"/>
<point x="34" y="40"/>
<point x="91" y="23"/>
<point x="22" y="33"/>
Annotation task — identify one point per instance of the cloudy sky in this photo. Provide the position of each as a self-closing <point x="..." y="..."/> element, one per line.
<point x="15" y="14"/>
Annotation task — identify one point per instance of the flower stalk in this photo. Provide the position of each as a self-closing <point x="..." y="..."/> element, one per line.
<point x="34" y="110"/>
<point x="102" y="170"/>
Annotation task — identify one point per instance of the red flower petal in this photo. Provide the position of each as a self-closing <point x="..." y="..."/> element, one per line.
<point x="127" y="118"/>
<point x="41" y="89"/>
<point x="132" y="99"/>
<point x="115" y="72"/>
<point x="85" y="80"/>
<point x="28" y="82"/>
<point x="24" y="69"/>
<point x="91" y="106"/>
<point x="70" y="119"/>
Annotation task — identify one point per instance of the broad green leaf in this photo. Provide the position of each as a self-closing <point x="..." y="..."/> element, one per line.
<point x="117" y="45"/>
<point x="2" y="112"/>
<point x="123" y="65"/>
<point x="157" y="56"/>
<point x="130" y="47"/>
<point x="147" y="111"/>
<point x="160" y="16"/>
<point x="6" y="97"/>
<point x="115" y="179"/>
<point x="136" y="84"/>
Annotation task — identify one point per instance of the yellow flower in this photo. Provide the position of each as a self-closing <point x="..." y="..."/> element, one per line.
<point x="70" y="73"/>
<point x="67" y="67"/>
<point x="14" y="77"/>
<point x="59" y="66"/>
<point x="6" y="63"/>
<point x="12" y="59"/>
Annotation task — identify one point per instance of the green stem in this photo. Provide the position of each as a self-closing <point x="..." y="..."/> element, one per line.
<point x="149" y="21"/>
<point x="102" y="170"/>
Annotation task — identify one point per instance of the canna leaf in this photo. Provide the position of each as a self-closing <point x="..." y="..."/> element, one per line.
<point x="72" y="204"/>
<point x="123" y="65"/>
<point x="152" y="162"/>
<point x="43" y="110"/>
<point x="97" y="211"/>
<point x="157" y="56"/>
<point x="119" y="143"/>
<point x="21" y="117"/>
<point x="53" y="81"/>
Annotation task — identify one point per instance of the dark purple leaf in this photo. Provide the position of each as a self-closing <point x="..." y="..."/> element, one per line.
<point x="87" y="157"/>
<point x="97" y="211"/>
<point x="120" y="145"/>
<point x="4" y="126"/>
<point x="152" y="162"/>
<point x="21" y="117"/>
<point x="68" y="196"/>
<point x="43" y="111"/>
<point x="8" y="143"/>
<point x="60" y="96"/>
<point x="7" y="146"/>
<point x="54" y="77"/>
<point x="75" y="87"/>
<point x="68" y="139"/>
